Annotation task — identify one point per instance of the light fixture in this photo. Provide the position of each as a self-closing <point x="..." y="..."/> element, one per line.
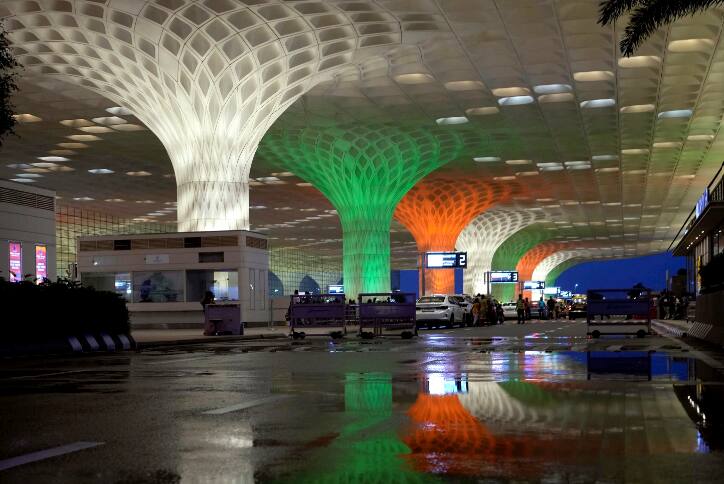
<point x="101" y="171"/>
<point x="667" y="144"/>
<point x="555" y="98"/>
<point x="96" y="129"/>
<point x="114" y="200"/>
<point x="62" y="152"/>
<point x="29" y="175"/>
<point x="53" y="159"/>
<point x="414" y="78"/>
<point x="128" y="127"/>
<point x="22" y="180"/>
<point x="675" y="113"/>
<point x="527" y="173"/>
<point x="451" y="120"/>
<point x="503" y="178"/>
<point x="609" y="169"/>
<point x="515" y="100"/>
<point x="552" y="88"/>
<point x="464" y="86"/>
<point x="109" y="120"/>
<point x="484" y="159"/>
<point x="482" y="111"/>
<point x="635" y="151"/>
<point x="76" y="123"/>
<point x="598" y="103"/>
<point x="19" y="166"/>
<point x="510" y="91"/>
<point x="119" y="111"/>
<point x="700" y="137"/>
<point x="83" y="199"/>
<point x="26" y="118"/>
<point x="592" y="76"/>
<point x="604" y="157"/>
<point x="83" y="137"/>
<point x="639" y="61"/>
<point x="691" y="45"/>
<point x="519" y="162"/>
<point x="73" y="146"/>
<point x="638" y="108"/>
<point x="145" y="201"/>
<point x="304" y="184"/>
<point x="138" y="173"/>
<point x="60" y="168"/>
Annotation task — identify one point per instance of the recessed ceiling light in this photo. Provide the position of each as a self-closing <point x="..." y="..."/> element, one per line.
<point x="555" y="167"/>
<point x="452" y="120"/>
<point x="101" y="171"/>
<point x="53" y="159"/>
<point x="638" y="108"/>
<point x="110" y="120"/>
<point x="675" y="113"/>
<point x="22" y="180"/>
<point x="19" y="166"/>
<point x="548" y="164"/>
<point x="61" y="168"/>
<point x="83" y="137"/>
<point x="145" y="201"/>
<point x="518" y="162"/>
<point x="114" y="200"/>
<point x="604" y="157"/>
<point x="26" y="118"/>
<point x="464" y="86"/>
<point x="635" y="151"/>
<point x="283" y="173"/>
<point x="578" y="163"/>
<point x="503" y="178"/>
<point x="555" y="98"/>
<point x="700" y="137"/>
<point x="37" y="170"/>
<point x="591" y="76"/>
<point x="128" y="127"/>
<point x="267" y="179"/>
<point x="515" y="100"/>
<point x="667" y="144"/>
<point x="482" y="111"/>
<point x="691" y="45"/>
<point x="527" y="173"/>
<point x="304" y="184"/>
<point x="62" y="152"/>
<point x="73" y="146"/>
<point x="639" y="61"/>
<point x="634" y="172"/>
<point x="609" y="169"/>
<point x="598" y="103"/>
<point x="138" y="173"/>
<point x="45" y="165"/>
<point x="29" y="175"/>
<point x="552" y="88"/>
<point x="482" y="159"/>
<point x="83" y="199"/>
<point x="511" y="91"/>
<point x="76" y="123"/>
<point x="119" y="111"/>
<point x="257" y="207"/>
<point x="96" y="129"/>
<point x="414" y="78"/>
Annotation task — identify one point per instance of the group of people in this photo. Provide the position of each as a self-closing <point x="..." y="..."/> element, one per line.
<point x="550" y="309"/>
<point x="672" y="306"/>
<point x="487" y="310"/>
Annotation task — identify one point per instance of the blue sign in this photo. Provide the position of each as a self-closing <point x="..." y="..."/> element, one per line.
<point x="446" y="260"/>
<point x="702" y="203"/>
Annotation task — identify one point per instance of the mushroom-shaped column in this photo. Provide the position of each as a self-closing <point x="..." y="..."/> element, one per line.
<point x="529" y="262"/>
<point x="438" y="208"/>
<point x="510" y="252"/>
<point x="364" y="172"/>
<point x="482" y="237"/>
<point x="207" y="77"/>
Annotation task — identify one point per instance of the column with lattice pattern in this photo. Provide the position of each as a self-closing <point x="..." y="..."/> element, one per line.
<point x="364" y="171"/>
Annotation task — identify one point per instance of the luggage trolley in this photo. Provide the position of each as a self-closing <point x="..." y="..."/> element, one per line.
<point x="631" y="309"/>
<point x="317" y="311"/>
<point x="387" y="311"/>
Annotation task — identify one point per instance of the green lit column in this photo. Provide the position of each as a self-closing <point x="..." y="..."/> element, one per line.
<point x="510" y="252"/>
<point x="364" y="171"/>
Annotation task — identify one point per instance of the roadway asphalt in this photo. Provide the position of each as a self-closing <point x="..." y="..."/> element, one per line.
<point x="533" y="403"/>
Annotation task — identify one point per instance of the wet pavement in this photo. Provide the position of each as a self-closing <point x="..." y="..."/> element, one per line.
<point x="540" y="403"/>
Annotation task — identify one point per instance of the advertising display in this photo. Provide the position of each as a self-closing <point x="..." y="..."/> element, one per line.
<point x="446" y="260"/>
<point x="503" y="276"/>
<point x="15" y="265"/>
<point x="336" y="289"/>
<point x="41" y="262"/>
<point x="534" y="285"/>
<point x="551" y="291"/>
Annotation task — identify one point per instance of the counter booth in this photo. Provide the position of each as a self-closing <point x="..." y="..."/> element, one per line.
<point x="164" y="277"/>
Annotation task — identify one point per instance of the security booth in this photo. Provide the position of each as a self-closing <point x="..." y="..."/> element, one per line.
<point x="164" y="277"/>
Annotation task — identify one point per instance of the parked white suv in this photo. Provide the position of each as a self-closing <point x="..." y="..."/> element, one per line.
<point x="438" y="310"/>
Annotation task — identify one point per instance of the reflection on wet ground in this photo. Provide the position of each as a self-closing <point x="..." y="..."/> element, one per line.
<point x="373" y="412"/>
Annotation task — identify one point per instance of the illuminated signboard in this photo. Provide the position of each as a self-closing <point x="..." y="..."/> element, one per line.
<point x="446" y="260"/>
<point x="565" y="294"/>
<point x="41" y="262"/>
<point x="16" y="262"/>
<point x="553" y="291"/>
<point x="701" y="203"/>
<point x="534" y="285"/>
<point x="336" y="289"/>
<point x="504" y="276"/>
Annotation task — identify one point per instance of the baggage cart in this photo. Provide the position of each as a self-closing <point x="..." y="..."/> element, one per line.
<point x="626" y="312"/>
<point x="387" y="311"/>
<point x="320" y="311"/>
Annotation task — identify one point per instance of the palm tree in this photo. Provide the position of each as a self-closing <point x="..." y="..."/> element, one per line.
<point x="8" y="76"/>
<point x="647" y="16"/>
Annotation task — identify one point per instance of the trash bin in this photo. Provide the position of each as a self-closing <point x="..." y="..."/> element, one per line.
<point x="220" y="319"/>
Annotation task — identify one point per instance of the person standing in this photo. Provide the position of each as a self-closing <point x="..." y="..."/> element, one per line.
<point x="520" y="309"/>
<point x="542" y="309"/>
<point x="526" y="304"/>
<point x="476" y="312"/>
<point x="552" y="308"/>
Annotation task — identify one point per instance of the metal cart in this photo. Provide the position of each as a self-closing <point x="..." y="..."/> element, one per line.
<point x="319" y="311"/>
<point x="387" y="311"/>
<point x="627" y="311"/>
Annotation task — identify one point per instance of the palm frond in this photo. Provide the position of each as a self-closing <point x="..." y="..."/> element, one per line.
<point x="610" y="10"/>
<point x="650" y="15"/>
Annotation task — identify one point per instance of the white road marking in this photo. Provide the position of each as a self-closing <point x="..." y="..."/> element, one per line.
<point x="245" y="405"/>
<point x="26" y="377"/>
<point x="46" y="454"/>
<point x="178" y="360"/>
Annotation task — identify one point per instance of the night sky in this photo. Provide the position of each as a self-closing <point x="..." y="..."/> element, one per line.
<point x="649" y="270"/>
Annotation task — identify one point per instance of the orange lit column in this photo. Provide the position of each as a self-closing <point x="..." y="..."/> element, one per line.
<point x="438" y="208"/>
<point x="531" y="259"/>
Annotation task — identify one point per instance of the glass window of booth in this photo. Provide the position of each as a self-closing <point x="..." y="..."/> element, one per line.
<point x="158" y="286"/>
<point x="118" y="282"/>
<point x="223" y="283"/>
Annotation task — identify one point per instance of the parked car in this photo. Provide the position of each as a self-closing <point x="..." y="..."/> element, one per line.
<point x="577" y="310"/>
<point x="439" y="310"/>
<point x="466" y="302"/>
<point x="509" y="310"/>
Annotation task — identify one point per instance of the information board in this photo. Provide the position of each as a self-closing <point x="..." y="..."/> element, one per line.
<point x="41" y="262"/>
<point x="534" y="285"/>
<point x="336" y="289"/>
<point x="446" y="260"/>
<point x="503" y="276"/>
<point x="552" y="291"/>
<point x="15" y="255"/>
